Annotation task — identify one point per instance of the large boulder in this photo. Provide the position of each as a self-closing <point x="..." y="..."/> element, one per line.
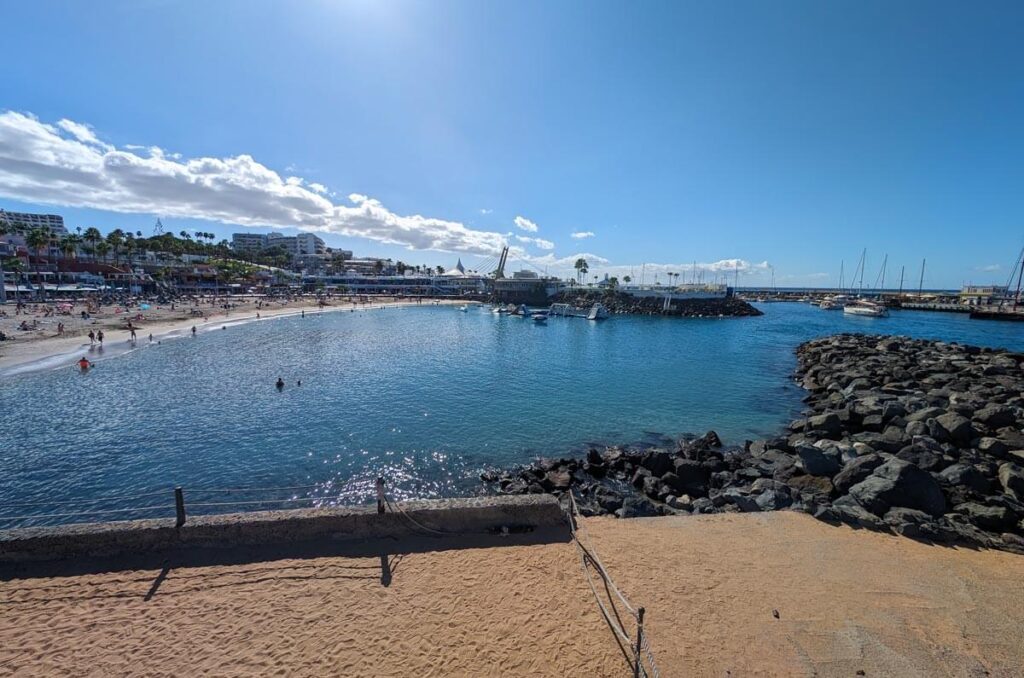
<point x="829" y="423"/>
<point x="987" y="517"/>
<point x="954" y="428"/>
<point x="1011" y="477"/>
<point x="856" y="471"/>
<point x="967" y="476"/>
<point x="995" y="416"/>
<point x="818" y="487"/>
<point x="657" y="462"/>
<point x="693" y="477"/>
<point x="818" y="462"/>
<point x="899" y="483"/>
<point x="636" y="507"/>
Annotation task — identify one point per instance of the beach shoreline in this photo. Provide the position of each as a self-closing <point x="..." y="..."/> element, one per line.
<point x="43" y="349"/>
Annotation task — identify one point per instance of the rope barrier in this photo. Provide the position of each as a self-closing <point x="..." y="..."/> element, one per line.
<point x="641" y="649"/>
<point x="250" y="503"/>
<point x="412" y="520"/>
<point x="242" y="490"/>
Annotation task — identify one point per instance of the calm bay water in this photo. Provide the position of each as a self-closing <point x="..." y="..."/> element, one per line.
<point x="426" y="396"/>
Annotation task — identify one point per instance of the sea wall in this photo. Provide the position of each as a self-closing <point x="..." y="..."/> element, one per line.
<point x="438" y="518"/>
<point x="620" y="302"/>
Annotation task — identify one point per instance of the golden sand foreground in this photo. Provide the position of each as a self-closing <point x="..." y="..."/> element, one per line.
<point x="847" y="601"/>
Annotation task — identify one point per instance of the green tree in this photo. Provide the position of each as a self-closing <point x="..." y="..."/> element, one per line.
<point x="93" y="237"/>
<point x="626" y="279"/>
<point x="38" y="240"/>
<point x="581" y="269"/>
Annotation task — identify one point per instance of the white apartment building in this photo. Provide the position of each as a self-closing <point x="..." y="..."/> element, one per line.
<point x="51" y="222"/>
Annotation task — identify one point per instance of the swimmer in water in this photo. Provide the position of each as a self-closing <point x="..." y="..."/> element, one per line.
<point x="280" y="384"/>
<point x="193" y="330"/>
<point x="84" y="364"/>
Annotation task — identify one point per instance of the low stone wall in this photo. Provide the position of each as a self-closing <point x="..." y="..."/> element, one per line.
<point x="455" y="517"/>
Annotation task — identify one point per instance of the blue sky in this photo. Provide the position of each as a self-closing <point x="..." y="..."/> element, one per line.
<point x="792" y="133"/>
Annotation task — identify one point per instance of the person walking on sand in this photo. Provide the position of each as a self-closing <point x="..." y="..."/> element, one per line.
<point x="99" y="337"/>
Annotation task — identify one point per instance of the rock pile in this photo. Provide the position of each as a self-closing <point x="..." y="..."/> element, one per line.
<point x="620" y="302"/>
<point x="923" y="438"/>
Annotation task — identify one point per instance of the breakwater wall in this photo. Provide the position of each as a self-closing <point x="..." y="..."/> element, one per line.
<point x="438" y="518"/>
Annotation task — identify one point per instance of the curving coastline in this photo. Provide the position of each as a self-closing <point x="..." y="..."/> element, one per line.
<point x="923" y="438"/>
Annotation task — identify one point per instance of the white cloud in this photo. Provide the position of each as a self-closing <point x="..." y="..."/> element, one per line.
<point x="711" y="270"/>
<point x="83" y="133"/>
<point x="580" y="235"/>
<point x="541" y="243"/>
<point x="991" y="268"/>
<point x="526" y="224"/>
<point x="485" y="211"/>
<point x="66" y="164"/>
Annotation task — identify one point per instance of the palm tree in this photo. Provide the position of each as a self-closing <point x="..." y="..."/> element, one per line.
<point x="38" y="240"/>
<point x="17" y="268"/>
<point x="626" y="279"/>
<point x="581" y="268"/>
<point x="102" y="249"/>
<point x="115" y="239"/>
<point x="92" y="236"/>
<point x="69" y="245"/>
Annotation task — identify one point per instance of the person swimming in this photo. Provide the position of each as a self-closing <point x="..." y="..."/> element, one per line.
<point x="84" y="364"/>
<point x="280" y="384"/>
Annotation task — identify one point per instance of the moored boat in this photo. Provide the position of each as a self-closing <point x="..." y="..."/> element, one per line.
<point x="866" y="308"/>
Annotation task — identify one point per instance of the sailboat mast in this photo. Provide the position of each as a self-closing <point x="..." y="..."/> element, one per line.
<point x="902" y="269"/>
<point x="841" y="264"/>
<point x="863" y="265"/>
<point x="885" y="262"/>
<point x="1016" y="296"/>
<point x="920" y="285"/>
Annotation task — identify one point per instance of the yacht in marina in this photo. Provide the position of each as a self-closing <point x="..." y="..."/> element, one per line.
<point x="867" y="308"/>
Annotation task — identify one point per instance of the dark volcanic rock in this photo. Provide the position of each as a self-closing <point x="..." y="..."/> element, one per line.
<point x="856" y="471"/>
<point x="899" y="483"/>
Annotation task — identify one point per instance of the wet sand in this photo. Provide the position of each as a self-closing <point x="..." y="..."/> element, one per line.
<point x="847" y="601"/>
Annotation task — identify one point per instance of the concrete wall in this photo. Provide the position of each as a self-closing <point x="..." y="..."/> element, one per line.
<point x="457" y="517"/>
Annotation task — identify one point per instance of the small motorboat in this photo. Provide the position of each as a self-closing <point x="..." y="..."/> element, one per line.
<point x="463" y="308"/>
<point x="539" y="317"/>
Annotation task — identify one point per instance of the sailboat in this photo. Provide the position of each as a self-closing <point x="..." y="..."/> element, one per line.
<point x="861" y="306"/>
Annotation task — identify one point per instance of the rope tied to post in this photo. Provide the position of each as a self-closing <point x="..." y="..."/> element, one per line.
<point x="640" y="649"/>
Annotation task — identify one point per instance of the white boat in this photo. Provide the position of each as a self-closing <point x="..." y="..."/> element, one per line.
<point x="866" y="308"/>
<point x="464" y="308"/>
<point x="834" y="303"/>
<point x="596" y="312"/>
<point x="539" y="317"/>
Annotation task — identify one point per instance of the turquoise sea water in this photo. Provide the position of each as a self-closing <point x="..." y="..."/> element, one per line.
<point x="426" y="396"/>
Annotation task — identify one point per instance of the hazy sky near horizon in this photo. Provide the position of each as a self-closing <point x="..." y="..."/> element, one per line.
<point x="787" y="134"/>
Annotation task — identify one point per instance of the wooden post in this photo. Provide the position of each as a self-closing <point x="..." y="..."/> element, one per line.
<point x="639" y="641"/>
<point x="380" y="495"/>
<point x="179" y="506"/>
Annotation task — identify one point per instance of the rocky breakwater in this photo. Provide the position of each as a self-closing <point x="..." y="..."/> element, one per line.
<point x="919" y="437"/>
<point x="620" y="302"/>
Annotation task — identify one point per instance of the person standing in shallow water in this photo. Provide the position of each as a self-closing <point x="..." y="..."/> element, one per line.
<point x="280" y="384"/>
<point x="193" y="330"/>
<point x="99" y="337"/>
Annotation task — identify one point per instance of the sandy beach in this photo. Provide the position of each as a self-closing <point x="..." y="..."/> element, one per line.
<point x="848" y="601"/>
<point x="42" y="348"/>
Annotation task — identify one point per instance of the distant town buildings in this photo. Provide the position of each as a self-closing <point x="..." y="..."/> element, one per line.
<point x="54" y="223"/>
<point x="303" y="244"/>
